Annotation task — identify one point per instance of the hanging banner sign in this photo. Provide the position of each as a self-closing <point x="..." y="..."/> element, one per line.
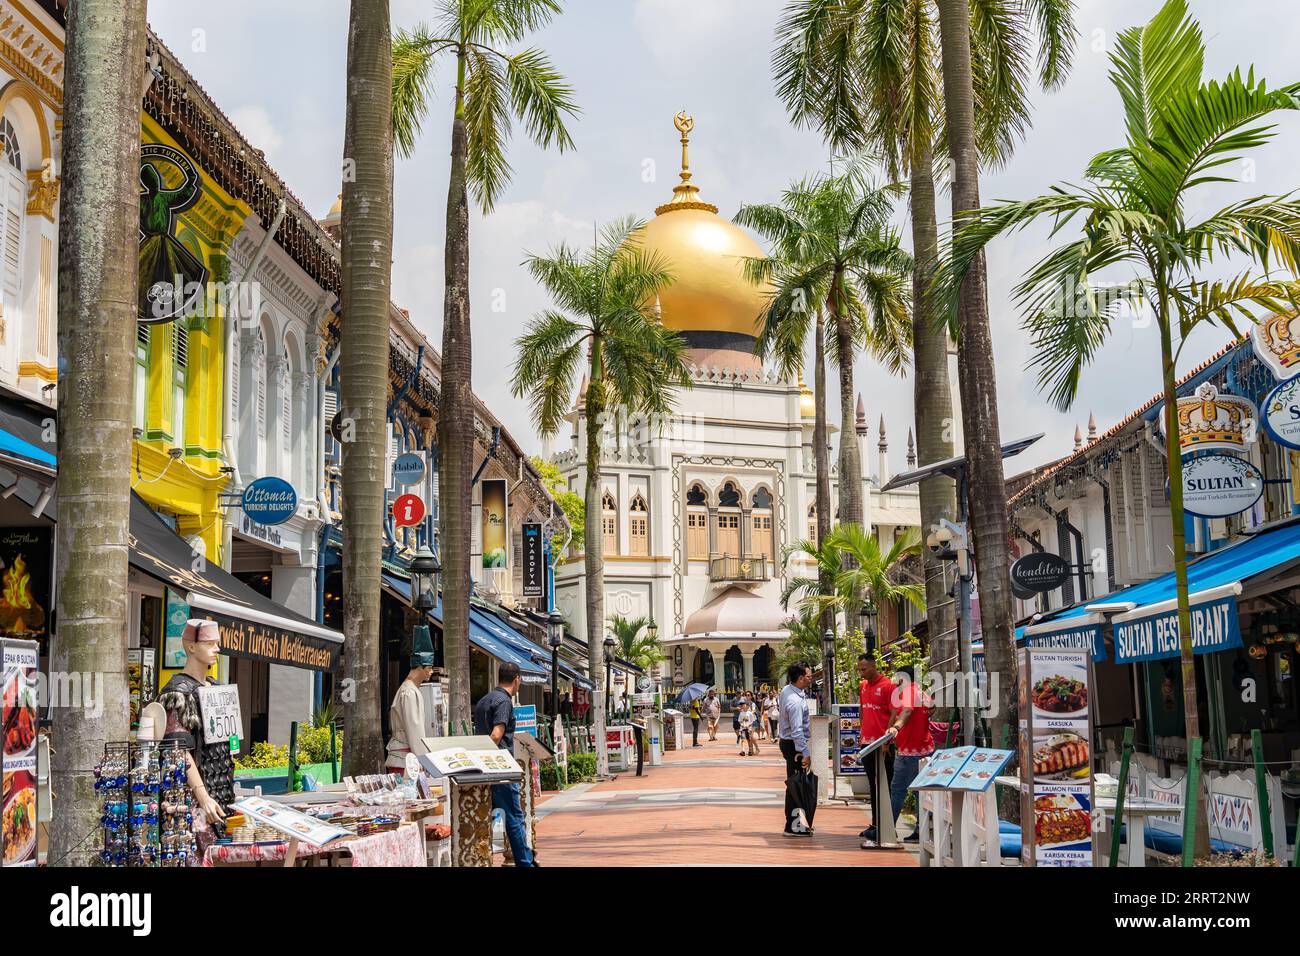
<point x="495" y="523"/>
<point x="1210" y="421"/>
<point x="1282" y="414"/>
<point x="534" y="562"/>
<point x="408" y="510"/>
<point x="270" y="501"/>
<point x="1038" y="573"/>
<point x="1218" y="485"/>
<point x="1143" y="636"/>
<point x="173" y="280"/>
<point x="408" y="469"/>
<point x="1276" y="339"/>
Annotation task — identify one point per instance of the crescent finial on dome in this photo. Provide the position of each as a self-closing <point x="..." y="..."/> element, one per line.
<point x="686" y="195"/>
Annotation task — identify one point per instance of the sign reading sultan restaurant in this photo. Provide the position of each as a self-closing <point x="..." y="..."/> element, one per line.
<point x="1218" y="485"/>
<point x="1149" y="637"/>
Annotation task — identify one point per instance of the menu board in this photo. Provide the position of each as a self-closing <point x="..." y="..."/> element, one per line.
<point x="457" y="761"/>
<point x="941" y="769"/>
<point x="294" y="824"/>
<point x="1055" y="759"/>
<point x="19" y="661"/>
<point x="848" y="739"/>
<point x="981" y="770"/>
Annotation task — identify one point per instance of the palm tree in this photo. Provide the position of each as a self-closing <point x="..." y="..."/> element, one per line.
<point x="865" y="73"/>
<point x="367" y="223"/>
<point x="1134" y="213"/>
<point x="871" y="572"/>
<point x="977" y="372"/>
<point x="606" y="303"/>
<point x="833" y="250"/>
<point x="642" y="650"/>
<point x="491" y="86"/>
<point x="98" y="241"/>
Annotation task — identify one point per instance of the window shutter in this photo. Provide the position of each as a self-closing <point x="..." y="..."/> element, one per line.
<point x="234" y="383"/>
<point x="286" y="412"/>
<point x="261" y="402"/>
<point x="331" y="409"/>
<point x="180" y="347"/>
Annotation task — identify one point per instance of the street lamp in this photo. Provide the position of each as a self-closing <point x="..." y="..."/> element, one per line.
<point x="828" y="676"/>
<point x="610" y="643"/>
<point x="555" y="637"/>
<point x="652" y="630"/>
<point x="424" y="570"/>
<point x="867" y="619"/>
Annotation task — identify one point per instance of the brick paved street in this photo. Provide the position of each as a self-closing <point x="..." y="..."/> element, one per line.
<point x="703" y="807"/>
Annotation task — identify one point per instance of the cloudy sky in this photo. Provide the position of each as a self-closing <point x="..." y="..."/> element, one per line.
<point x="278" y="71"/>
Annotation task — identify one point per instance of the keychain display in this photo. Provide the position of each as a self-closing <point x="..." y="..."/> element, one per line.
<point x="146" y="808"/>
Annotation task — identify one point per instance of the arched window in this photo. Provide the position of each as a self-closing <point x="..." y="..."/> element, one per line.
<point x="9" y="137"/>
<point x="180" y="373"/>
<point x="727" y="535"/>
<point x="760" y="524"/>
<point x="638" y="526"/>
<point x="609" y="523"/>
<point x="812" y="522"/>
<point x="696" y="495"/>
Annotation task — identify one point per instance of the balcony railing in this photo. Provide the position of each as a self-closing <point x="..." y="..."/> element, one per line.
<point x="748" y="567"/>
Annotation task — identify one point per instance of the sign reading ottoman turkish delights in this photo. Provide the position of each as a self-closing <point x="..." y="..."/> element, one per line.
<point x="270" y="501"/>
<point x="1219" y="485"/>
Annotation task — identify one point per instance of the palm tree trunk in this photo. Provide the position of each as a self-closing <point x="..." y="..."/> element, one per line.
<point x="978" y="380"/>
<point x="1173" y="454"/>
<point x="456" y="421"/>
<point x="363" y="366"/>
<point x="851" y="510"/>
<point x="98" y="241"/>
<point x="821" y="454"/>
<point x="594" y="555"/>
<point x="933" y="403"/>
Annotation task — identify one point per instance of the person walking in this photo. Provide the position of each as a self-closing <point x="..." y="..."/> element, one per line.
<point x="494" y="715"/>
<point x="910" y="727"/>
<point x="735" y="717"/>
<point x="875" y="693"/>
<point x="713" y="712"/>
<point x="772" y="711"/>
<point x="695" y="723"/>
<point x="794" y="730"/>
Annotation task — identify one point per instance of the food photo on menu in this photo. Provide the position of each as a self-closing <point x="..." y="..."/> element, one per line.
<point x="1061" y="757"/>
<point x="18" y="816"/>
<point x="1062" y="821"/>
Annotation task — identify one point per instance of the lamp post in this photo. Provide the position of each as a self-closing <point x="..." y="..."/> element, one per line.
<point x="828" y="678"/>
<point x="609" y="683"/>
<point x="867" y="619"/>
<point x="425" y="570"/>
<point x="554" y="637"/>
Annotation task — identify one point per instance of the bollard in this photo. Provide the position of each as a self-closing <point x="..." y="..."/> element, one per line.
<point x="1124" y="759"/>
<point x="1192" y="801"/>
<point x="1261" y="789"/>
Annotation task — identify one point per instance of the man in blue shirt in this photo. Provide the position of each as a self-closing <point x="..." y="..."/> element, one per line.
<point x="494" y="715"/>
<point x="794" y="727"/>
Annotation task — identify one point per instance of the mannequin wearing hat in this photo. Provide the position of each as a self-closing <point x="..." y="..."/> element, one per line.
<point x="211" y="770"/>
<point x="406" y="718"/>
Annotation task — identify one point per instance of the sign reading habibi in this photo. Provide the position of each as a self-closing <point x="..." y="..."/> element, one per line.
<point x="1056" y="791"/>
<point x="1219" y="485"/>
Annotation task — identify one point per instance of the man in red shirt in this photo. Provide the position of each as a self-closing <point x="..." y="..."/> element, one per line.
<point x="910" y="725"/>
<point x="875" y="691"/>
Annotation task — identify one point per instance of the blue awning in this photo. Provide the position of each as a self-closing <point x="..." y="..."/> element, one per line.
<point x="1213" y="582"/>
<point x="482" y="635"/>
<point x="11" y="444"/>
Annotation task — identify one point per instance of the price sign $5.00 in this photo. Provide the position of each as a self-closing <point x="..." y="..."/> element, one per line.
<point x="219" y="709"/>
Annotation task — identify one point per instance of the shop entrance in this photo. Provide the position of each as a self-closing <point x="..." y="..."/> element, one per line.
<point x="702" y="672"/>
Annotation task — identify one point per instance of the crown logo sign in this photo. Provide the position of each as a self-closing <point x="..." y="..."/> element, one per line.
<point x="1208" y="420"/>
<point x="1277" y="343"/>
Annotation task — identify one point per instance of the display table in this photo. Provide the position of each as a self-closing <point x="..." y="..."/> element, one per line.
<point x="1136" y="811"/>
<point x="401" y="847"/>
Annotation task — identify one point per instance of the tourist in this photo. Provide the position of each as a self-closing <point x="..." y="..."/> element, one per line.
<point x="910" y="727"/>
<point x="735" y="718"/>
<point x="875" y="693"/>
<point x="794" y="730"/>
<point x="713" y="712"/>
<point x="695" y="723"/>
<point x="772" y="711"/>
<point x="748" y="719"/>
<point x="494" y="715"/>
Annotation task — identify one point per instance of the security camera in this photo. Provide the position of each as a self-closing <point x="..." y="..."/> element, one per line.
<point x="939" y="542"/>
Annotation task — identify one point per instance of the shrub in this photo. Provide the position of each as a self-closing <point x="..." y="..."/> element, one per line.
<point x="314" y="745"/>
<point x="553" y="776"/>
<point x="263" y="755"/>
<point x="582" y="768"/>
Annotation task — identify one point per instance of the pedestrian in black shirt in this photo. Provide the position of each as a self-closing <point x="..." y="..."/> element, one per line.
<point x="494" y="715"/>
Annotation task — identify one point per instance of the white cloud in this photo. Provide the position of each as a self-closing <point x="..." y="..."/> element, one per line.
<point x="259" y="129"/>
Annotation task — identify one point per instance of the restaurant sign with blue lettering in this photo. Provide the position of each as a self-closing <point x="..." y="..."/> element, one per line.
<point x="1218" y="485"/>
<point x="1143" y="636"/>
<point x="270" y="501"/>
<point x="1282" y="413"/>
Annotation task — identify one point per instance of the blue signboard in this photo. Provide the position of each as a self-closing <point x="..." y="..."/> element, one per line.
<point x="408" y="469"/>
<point x="1214" y="628"/>
<point x="526" y="719"/>
<point x="270" y="501"/>
<point x="1086" y="637"/>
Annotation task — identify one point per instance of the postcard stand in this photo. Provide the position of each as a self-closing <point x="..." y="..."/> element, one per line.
<point x="471" y="803"/>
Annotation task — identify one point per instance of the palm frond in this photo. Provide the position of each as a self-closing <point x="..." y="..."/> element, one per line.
<point x="414" y="53"/>
<point x="487" y="124"/>
<point x="540" y="98"/>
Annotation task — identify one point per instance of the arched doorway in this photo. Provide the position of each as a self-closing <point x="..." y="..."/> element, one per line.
<point x="763" y="658"/>
<point x="734" y="669"/>
<point x="702" y="670"/>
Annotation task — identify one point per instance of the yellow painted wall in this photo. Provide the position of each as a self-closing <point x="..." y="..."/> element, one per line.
<point x="188" y="487"/>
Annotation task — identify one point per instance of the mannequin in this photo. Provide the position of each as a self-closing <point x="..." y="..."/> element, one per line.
<point x="406" y="718"/>
<point x="210" y="769"/>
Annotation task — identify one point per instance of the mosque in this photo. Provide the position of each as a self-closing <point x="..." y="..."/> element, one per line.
<point x="696" y="514"/>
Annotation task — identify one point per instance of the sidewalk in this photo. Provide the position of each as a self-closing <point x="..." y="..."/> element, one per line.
<point x="703" y="807"/>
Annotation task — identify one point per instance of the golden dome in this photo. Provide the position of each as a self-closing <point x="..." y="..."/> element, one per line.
<point x="335" y="215"/>
<point x="705" y="254"/>
<point x="807" y="401"/>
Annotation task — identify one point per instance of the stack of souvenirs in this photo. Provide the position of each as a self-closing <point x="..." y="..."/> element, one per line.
<point x="147" y="817"/>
